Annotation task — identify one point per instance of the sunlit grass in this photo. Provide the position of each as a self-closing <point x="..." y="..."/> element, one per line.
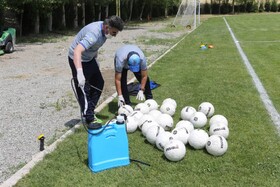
<point x="190" y="76"/>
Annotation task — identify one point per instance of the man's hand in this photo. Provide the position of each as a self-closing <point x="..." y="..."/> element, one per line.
<point x="121" y="101"/>
<point x="81" y="77"/>
<point x="140" y="96"/>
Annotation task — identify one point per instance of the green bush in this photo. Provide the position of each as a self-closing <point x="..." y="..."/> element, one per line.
<point x="267" y="6"/>
<point x="274" y="6"/>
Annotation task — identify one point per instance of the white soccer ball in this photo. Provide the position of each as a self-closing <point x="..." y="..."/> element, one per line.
<point x="187" y="112"/>
<point x="155" y="113"/>
<point x="216" y="145"/>
<point x="206" y="108"/>
<point x="145" y="118"/>
<point x="152" y="104"/>
<point x="169" y="100"/>
<point x="181" y="133"/>
<point x="137" y="115"/>
<point x="175" y="150"/>
<point x="125" y="109"/>
<point x="168" y="108"/>
<point x="146" y="125"/>
<point x="198" y="138"/>
<point x="142" y="107"/>
<point x="165" y="121"/>
<point x="153" y="132"/>
<point x="219" y="129"/>
<point x="198" y="119"/>
<point x="218" y="119"/>
<point x="131" y="124"/>
<point x="162" y="139"/>
<point x="186" y="124"/>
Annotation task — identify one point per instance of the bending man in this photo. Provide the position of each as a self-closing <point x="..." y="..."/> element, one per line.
<point x="131" y="57"/>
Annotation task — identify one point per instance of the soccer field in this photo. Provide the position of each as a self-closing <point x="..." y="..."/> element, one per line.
<point x="192" y="76"/>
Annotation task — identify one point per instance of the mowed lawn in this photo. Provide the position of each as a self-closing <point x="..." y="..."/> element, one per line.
<point x="191" y="76"/>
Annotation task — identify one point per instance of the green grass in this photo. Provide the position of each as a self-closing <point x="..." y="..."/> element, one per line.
<point x="259" y="37"/>
<point x="190" y="76"/>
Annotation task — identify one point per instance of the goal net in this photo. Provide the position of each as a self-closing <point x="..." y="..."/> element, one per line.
<point x="188" y="14"/>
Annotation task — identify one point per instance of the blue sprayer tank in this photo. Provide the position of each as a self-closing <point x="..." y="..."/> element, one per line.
<point x="108" y="146"/>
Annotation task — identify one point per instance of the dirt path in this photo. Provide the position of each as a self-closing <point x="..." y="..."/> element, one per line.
<point x="36" y="95"/>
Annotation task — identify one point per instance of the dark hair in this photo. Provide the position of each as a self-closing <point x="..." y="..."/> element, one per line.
<point x="115" y="21"/>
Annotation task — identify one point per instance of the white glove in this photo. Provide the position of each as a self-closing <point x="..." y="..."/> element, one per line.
<point x="121" y="101"/>
<point x="81" y="77"/>
<point x="140" y="96"/>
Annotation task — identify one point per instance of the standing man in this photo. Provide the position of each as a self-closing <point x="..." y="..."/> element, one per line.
<point x="85" y="69"/>
<point x="131" y="57"/>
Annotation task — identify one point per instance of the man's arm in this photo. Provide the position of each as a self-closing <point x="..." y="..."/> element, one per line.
<point x="118" y="82"/>
<point x="144" y="77"/>
<point x="79" y="49"/>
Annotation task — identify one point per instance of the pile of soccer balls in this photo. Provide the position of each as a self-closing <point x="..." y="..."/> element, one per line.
<point x="157" y="126"/>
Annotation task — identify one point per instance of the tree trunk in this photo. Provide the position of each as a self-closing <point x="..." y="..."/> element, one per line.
<point x="211" y="4"/>
<point x="20" y="24"/>
<point x="166" y="10"/>
<point x="142" y="10"/>
<point x="130" y="9"/>
<point x="76" y="16"/>
<point x="50" y="21"/>
<point x="99" y="12"/>
<point x="37" y="23"/>
<point x="84" y="14"/>
<point x="107" y="11"/>
<point x="63" y="19"/>
<point x="118" y="8"/>
<point x="233" y="2"/>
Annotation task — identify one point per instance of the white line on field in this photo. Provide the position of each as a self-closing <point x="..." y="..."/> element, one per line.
<point x="274" y="115"/>
<point x="48" y="149"/>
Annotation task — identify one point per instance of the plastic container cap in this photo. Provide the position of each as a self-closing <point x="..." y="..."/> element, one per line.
<point x="120" y="119"/>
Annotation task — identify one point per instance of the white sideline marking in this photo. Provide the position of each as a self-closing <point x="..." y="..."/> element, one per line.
<point x="274" y="115"/>
<point x="48" y="149"/>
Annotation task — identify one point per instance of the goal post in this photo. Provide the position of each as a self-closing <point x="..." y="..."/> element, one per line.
<point x="188" y="14"/>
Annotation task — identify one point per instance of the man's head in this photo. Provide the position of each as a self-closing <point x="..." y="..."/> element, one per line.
<point x="133" y="61"/>
<point x="113" y="25"/>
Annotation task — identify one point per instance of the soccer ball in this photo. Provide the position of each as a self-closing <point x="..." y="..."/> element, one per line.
<point x="175" y="150"/>
<point x="218" y="119"/>
<point x="186" y="124"/>
<point x="142" y="107"/>
<point x="146" y="125"/>
<point x="155" y="113"/>
<point x="137" y="115"/>
<point x="181" y="133"/>
<point x="170" y="100"/>
<point x="125" y="109"/>
<point x="206" y="108"/>
<point x="166" y="121"/>
<point x="152" y="104"/>
<point x="216" y="145"/>
<point x="198" y="138"/>
<point x="198" y="120"/>
<point x="168" y="108"/>
<point x="145" y="118"/>
<point x="187" y="112"/>
<point x="152" y="133"/>
<point x="219" y="129"/>
<point x="131" y="124"/>
<point x="162" y="139"/>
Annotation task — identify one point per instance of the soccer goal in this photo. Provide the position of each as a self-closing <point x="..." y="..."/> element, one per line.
<point x="188" y="14"/>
